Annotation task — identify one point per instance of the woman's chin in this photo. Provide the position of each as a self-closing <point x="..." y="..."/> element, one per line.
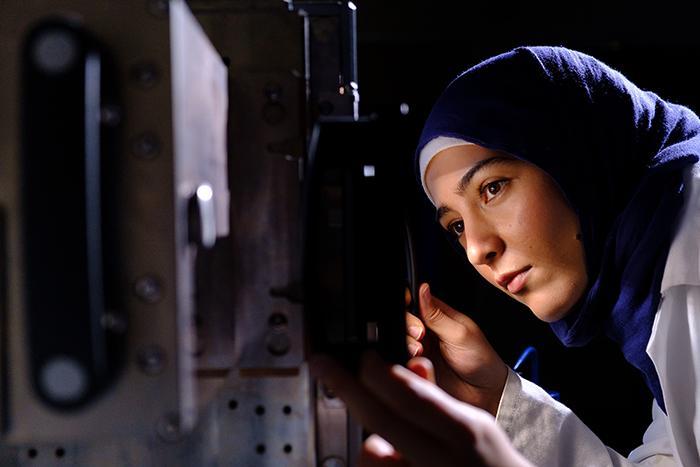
<point x="549" y="310"/>
<point x="555" y="301"/>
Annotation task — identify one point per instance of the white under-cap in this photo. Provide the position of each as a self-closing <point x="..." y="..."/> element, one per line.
<point x="430" y="150"/>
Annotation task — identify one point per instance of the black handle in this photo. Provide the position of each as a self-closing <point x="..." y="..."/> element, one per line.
<point x="68" y="214"/>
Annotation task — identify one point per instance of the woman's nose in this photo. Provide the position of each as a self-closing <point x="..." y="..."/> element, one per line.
<point x="483" y="245"/>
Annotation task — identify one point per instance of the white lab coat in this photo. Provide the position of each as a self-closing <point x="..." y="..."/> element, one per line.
<point x="549" y="434"/>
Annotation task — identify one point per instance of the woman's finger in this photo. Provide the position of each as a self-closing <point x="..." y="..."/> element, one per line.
<point x="449" y="324"/>
<point x="397" y="428"/>
<point x="416" y="399"/>
<point x="415" y="348"/>
<point x="415" y="327"/>
<point x="378" y="452"/>
<point x="423" y="368"/>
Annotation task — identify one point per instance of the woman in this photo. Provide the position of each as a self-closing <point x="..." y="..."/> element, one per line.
<point x="577" y="194"/>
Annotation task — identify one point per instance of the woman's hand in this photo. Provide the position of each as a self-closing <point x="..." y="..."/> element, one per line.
<point x="466" y="365"/>
<point x="417" y="423"/>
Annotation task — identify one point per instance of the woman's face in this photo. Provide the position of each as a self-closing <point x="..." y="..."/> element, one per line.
<point x="515" y="225"/>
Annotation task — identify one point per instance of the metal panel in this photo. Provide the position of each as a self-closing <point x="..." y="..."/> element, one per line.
<point x="264" y="420"/>
<point x="154" y="394"/>
<point x="257" y="269"/>
<point x="251" y="343"/>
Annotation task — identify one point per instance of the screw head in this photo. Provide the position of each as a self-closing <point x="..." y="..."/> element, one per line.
<point x="146" y="146"/>
<point x="151" y="360"/>
<point x="148" y="289"/>
<point x="333" y="462"/>
<point x="168" y="428"/>
<point x="278" y="342"/>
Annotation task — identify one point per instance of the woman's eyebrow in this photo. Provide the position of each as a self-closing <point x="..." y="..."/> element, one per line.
<point x="467" y="177"/>
<point x="441" y="211"/>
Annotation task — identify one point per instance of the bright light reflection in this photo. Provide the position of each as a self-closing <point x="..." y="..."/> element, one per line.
<point x="205" y="193"/>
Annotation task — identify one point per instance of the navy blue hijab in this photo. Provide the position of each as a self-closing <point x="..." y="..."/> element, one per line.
<point x="617" y="152"/>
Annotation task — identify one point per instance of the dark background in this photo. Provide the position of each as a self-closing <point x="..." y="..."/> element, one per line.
<point x="409" y="51"/>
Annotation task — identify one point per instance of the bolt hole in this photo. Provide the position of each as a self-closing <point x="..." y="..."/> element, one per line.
<point x="287" y="410"/>
<point x="260" y="410"/>
<point x="287" y="448"/>
<point x="260" y="448"/>
<point x="233" y="404"/>
<point x="60" y="452"/>
<point x="32" y="453"/>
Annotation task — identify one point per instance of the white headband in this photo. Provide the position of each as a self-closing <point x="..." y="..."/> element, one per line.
<point x="430" y="150"/>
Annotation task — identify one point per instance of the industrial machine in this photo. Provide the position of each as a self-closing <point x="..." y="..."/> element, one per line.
<point x="187" y="211"/>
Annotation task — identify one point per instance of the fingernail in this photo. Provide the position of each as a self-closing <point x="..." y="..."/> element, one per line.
<point x="426" y="291"/>
<point x="413" y="349"/>
<point x="415" y="331"/>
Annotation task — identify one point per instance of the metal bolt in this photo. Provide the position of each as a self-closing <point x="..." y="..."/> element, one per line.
<point x="148" y="289"/>
<point x="168" y="428"/>
<point x="151" y="360"/>
<point x="278" y="342"/>
<point x="333" y="462"/>
<point x="146" y="146"/>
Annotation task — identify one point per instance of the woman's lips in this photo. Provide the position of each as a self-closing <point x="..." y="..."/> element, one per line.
<point x="514" y="281"/>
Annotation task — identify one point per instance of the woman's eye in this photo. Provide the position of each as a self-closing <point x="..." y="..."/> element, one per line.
<point x="492" y="189"/>
<point x="456" y="228"/>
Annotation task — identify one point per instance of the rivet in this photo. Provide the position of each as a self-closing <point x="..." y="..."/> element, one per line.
<point x="333" y="462"/>
<point x="151" y="360"/>
<point x="148" y="289"/>
<point x="168" y="428"/>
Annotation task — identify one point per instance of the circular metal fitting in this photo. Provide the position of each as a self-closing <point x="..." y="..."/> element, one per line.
<point x="151" y="360"/>
<point x="278" y="342"/>
<point x="333" y="462"/>
<point x="168" y="428"/>
<point x="148" y="289"/>
<point x="146" y="146"/>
